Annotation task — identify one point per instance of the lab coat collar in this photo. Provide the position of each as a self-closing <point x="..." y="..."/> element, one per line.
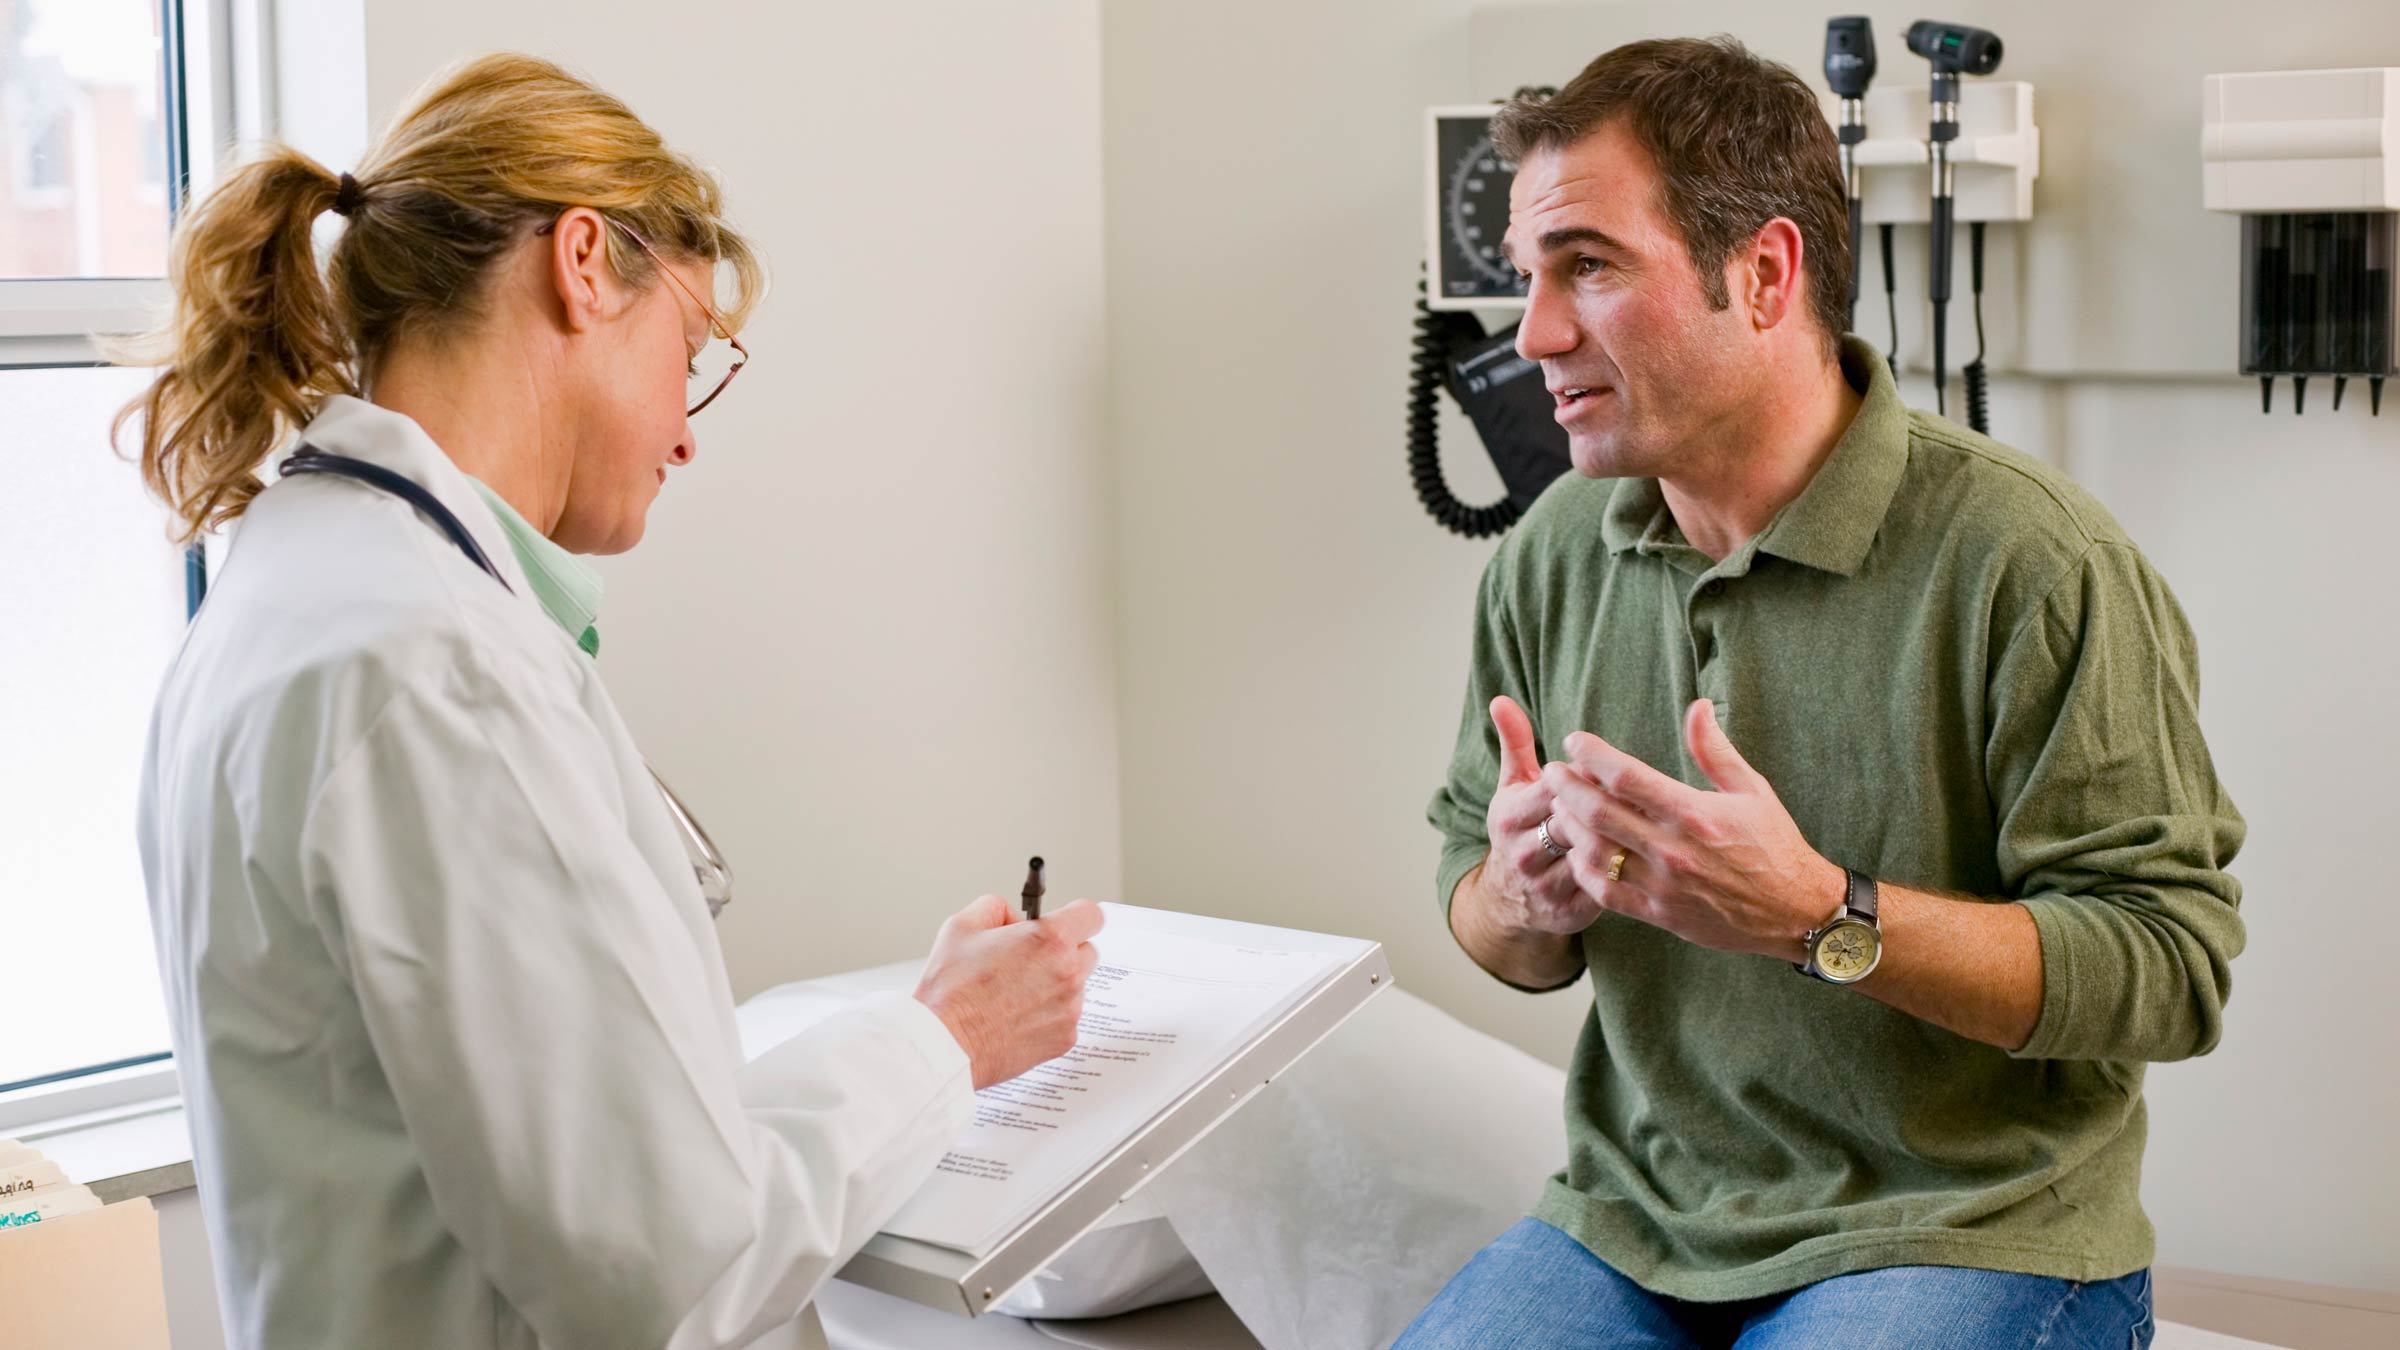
<point x="393" y="440"/>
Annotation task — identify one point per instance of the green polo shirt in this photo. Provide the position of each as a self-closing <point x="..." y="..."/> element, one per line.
<point x="1960" y="675"/>
<point x="567" y="586"/>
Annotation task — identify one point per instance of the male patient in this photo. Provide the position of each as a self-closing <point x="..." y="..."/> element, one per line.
<point x="1876" y="803"/>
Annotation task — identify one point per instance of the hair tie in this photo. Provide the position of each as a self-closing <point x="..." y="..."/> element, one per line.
<point x="349" y="197"/>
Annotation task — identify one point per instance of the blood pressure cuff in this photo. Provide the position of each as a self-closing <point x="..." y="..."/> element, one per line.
<point x="1503" y="394"/>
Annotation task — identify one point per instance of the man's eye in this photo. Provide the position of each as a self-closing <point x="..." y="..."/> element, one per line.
<point x="1585" y="266"/>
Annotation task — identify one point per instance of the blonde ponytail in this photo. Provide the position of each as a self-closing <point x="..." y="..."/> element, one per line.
<point x="255" y="342"/>
<point x="260" y="335"/>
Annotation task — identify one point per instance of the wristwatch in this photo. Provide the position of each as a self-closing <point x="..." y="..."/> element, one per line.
<point x="1846" y="949"/>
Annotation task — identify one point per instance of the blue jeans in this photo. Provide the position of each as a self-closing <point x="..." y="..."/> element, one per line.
<point x="1536" y="1287"/>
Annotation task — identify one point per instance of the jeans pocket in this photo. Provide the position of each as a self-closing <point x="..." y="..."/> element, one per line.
<point x="2147" y="1327"/>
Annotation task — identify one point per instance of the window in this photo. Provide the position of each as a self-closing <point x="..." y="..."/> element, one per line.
<point x="91" y="593"/>
<point x="106" y="108"/>
<point x="85" y="84"/>
<point x="93" y="605"/>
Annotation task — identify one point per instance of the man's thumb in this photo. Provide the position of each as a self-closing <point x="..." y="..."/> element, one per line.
<point x="1713" y="751"/>
<point x="1520" y="762"/>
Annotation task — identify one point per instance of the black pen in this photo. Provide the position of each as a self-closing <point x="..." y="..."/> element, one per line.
<point x="1031" y="896"/>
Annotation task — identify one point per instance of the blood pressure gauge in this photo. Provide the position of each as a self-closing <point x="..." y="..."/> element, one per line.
<point x="1466" y="184"/>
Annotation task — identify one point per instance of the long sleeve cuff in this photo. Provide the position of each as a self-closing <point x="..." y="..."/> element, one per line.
<point x="2131" y="978"/>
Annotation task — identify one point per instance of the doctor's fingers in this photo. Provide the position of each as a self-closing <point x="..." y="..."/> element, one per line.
<point x="985" y="912"/>
<point x="1072" y="925"/>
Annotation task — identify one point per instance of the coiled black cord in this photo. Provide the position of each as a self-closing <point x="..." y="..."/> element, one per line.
<point x="1978" y="378"/>
<point x="1891" y="297"/>
<point x="1429" y="349"/>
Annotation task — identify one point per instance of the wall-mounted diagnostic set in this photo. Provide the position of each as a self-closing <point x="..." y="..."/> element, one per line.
<point x="1940" y="154"/>
<point x="2310" y="159"/>
<point x="1501" y="392"/>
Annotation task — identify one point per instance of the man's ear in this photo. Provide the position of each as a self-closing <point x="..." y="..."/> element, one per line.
<point x="1766" y="275"/>
<point x="581" y="280"/>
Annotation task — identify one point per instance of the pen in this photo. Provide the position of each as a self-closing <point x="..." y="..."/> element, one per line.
<point x="1031" y="896"/>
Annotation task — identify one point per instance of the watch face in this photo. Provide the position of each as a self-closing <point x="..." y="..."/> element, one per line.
<point x="1848" y="950"/>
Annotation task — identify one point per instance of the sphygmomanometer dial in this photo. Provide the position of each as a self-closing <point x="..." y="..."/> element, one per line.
<point x="1475" y="216"/>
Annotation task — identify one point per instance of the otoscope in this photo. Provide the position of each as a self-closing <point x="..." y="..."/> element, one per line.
<point x="1849" y="68"/>
<point x="1954" y="49"/>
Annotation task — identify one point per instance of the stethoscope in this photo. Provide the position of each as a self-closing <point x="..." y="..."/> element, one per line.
<point x="708" y="864"/>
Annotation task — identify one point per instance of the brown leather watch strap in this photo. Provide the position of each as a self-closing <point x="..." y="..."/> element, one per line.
<point x="1861" y="899"/>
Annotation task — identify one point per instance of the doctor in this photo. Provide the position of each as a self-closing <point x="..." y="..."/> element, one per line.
<point x="456" y="1042"/>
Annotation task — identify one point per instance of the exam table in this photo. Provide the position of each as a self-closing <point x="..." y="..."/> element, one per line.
<point x="1457" y="1129"/>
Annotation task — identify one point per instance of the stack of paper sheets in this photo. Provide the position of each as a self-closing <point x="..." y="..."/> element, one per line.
<point x="1174" y="997"/>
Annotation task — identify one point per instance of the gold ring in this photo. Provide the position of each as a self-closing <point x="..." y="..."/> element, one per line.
<point x="1616" y="865"/>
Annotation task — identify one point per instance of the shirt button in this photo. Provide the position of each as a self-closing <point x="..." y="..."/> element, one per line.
<point x="1714" y="588"/>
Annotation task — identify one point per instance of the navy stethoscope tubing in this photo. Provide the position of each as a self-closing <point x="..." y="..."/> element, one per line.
<point x="708" y="862"/>
<point x="309" y="459"/>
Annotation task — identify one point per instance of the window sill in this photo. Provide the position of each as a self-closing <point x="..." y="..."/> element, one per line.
<point x="141" y="1148"/>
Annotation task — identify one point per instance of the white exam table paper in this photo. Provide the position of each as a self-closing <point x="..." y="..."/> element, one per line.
<point x="1331" y="1208"/>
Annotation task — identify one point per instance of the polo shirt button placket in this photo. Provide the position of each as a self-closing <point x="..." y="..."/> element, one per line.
<point x="1704" y="647"/>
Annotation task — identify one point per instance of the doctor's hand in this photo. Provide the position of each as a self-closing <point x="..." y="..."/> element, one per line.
<point x="1727" y="870"/>
<point x="1010" y="989"/>
<point x="1528" y="888"/>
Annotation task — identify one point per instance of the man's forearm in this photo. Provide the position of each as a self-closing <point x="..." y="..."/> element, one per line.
<point x="1968" y="966"/>
<point x="1527" y="959"/>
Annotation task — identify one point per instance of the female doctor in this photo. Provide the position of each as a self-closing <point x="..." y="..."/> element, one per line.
<point x="454" y="1031"/>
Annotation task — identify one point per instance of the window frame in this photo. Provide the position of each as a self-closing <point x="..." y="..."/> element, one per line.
<point x="238" y="72"/>
<point x="228" y="84"/>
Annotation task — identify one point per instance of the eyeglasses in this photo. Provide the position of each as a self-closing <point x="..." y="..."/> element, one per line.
<point x="716" y="323"/>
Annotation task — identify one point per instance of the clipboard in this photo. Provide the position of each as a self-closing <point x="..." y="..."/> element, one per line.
<point x="966" y="1285"/>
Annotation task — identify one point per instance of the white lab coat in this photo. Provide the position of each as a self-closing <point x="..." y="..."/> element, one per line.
<point x="453" y="1026"/>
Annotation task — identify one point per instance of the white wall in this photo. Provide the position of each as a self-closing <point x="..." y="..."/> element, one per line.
<point x="1293" y="637"/>
<point x="2274" y="1156"/>
<point x="868" y="635"/>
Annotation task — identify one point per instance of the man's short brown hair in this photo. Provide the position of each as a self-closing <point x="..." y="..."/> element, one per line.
<point x="1737" y="140"/>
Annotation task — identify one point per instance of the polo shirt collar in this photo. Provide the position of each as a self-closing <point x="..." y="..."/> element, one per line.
<point x="1832" y="524"/>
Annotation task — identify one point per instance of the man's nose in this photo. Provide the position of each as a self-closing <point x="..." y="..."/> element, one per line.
<point x="686" y="449"/>
<point x="1548" y="328"/>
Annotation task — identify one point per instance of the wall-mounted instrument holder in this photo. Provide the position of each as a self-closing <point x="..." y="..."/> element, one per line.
<point x="2310" y="159"/>
<point x="1998" y="153"/>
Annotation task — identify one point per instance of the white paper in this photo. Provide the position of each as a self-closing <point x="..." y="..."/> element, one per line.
<point x="1163" y="1009"/>
<point x="1333" y="1206"/>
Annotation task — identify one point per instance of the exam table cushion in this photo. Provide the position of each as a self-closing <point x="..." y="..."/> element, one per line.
<point x="1134" y="1259"/>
